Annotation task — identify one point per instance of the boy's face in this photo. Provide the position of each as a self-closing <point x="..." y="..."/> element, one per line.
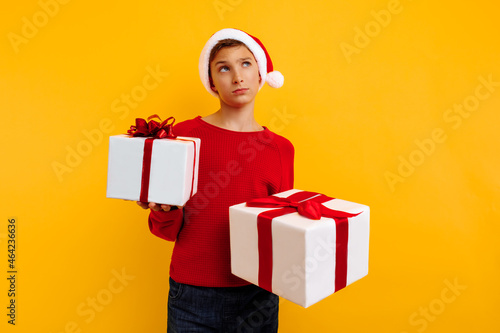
<point x="235" y="76"/>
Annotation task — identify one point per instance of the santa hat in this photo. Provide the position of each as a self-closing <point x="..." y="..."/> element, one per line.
<point x="273" y="78"/>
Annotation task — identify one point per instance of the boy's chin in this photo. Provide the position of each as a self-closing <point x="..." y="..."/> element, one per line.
<point x="238" y="102"/>
<point x="237" y="105"/>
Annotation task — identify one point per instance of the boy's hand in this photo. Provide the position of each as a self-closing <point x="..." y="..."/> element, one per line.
<point x="154" y="206"/>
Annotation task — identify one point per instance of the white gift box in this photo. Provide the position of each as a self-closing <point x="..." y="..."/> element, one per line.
<point x="303" y="250"/>
<point x="173" y="176"/>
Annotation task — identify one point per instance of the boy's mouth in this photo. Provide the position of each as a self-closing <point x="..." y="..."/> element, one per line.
<point x="240" y="91"/>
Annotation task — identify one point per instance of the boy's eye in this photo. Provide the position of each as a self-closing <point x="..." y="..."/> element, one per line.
<point x="223" y="69"/>
<point x="247" y="63"/>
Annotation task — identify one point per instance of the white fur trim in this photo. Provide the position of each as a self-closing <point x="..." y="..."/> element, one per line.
<point x="252" y="45"/>
<point x="275" y="79"/>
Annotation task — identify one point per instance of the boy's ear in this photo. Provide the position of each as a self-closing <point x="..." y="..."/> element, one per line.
<point x="212" y="84"/>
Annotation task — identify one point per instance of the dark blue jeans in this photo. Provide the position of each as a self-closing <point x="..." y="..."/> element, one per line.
<point x="236" y="309"/>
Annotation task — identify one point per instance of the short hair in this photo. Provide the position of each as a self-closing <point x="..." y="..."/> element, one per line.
<point x="223" y="43"/>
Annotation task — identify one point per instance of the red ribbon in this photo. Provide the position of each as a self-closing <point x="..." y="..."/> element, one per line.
<point x="309" y="205"/>
<point x="156" y="130"/>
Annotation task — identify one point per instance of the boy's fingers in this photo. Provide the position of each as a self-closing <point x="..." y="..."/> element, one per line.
<point x="166" y="207"/>
<point x="142" y="204"/>
<point x="154" y="206"/>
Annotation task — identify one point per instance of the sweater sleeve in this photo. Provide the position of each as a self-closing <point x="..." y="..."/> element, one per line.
<point x="287" y="153"/>
<point x="166" y="225"/>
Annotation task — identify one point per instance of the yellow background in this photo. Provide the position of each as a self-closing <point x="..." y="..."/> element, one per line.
<point x="374" y="117"/>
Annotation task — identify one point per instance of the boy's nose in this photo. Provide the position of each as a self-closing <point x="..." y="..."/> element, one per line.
<point x="237" y="78"/>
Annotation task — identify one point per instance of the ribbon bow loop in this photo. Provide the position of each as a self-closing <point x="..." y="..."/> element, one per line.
<point x="305" y="203"/>
<point x="153" y="128"/>
<point x="310" y="209"/>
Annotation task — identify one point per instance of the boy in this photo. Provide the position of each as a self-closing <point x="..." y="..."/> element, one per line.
<point x="239" y="160"/>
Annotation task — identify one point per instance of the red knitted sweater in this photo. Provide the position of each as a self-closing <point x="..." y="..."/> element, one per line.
<point x="234" y="167"/>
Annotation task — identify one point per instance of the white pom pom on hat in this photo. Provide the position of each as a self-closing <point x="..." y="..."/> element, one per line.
<point x="273" y="78"/>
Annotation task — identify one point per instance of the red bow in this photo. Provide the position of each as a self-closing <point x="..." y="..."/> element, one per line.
<point x="302" y="202"/>
<point x="158" y="130"/>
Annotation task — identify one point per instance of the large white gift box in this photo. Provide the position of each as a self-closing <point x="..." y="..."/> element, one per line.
<point x="300" y="258"/>
<point x="163" y="171"/>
